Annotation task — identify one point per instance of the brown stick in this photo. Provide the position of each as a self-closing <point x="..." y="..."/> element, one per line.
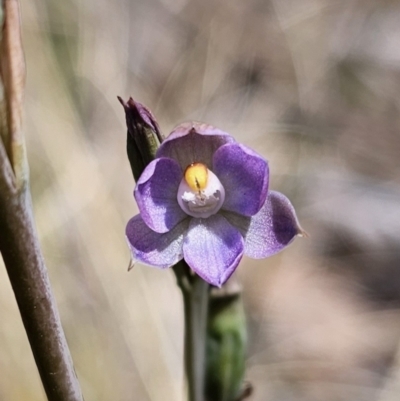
<point x="19" y="245"/>
<point x="23" y="259"/>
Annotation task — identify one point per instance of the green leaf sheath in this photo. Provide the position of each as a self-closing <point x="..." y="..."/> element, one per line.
<point x="226" y="348"/>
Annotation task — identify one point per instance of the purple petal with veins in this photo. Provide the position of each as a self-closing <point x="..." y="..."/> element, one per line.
<point x="244" y="175"/>
<point x="156" y="192"/>
<point x="213" y="248"/>
<point x="272" y="229"/>
<point x="193" y="142"/>
<point x="149" y="247"/>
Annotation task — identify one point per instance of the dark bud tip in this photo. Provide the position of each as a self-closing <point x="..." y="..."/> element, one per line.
<point x="144" y="136"/>
<point x="139" y="117"/>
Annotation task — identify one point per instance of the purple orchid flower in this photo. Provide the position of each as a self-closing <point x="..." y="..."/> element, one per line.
<point x="205" y="199"/>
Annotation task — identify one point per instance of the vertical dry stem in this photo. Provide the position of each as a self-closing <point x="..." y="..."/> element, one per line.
<point x="19" y="245"/>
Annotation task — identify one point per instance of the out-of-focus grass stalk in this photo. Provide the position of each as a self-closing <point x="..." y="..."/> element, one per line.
<point x="19" y="243"/>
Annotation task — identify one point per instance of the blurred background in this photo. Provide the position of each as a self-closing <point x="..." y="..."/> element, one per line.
<point x="313" y="85"/>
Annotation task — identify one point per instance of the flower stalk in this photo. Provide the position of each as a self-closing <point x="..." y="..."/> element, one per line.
<point x="19" y="245"/>
<point x="196" y="310"/>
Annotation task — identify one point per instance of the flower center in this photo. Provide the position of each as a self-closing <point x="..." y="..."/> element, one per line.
<point x="196" y="176"/>
<point x="200" y="193"/>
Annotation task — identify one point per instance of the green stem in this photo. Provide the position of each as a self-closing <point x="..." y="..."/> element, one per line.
<point x="196" y="310"/>
<point x="226" y="344"/>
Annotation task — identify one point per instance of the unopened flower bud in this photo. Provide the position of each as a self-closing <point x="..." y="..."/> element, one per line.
<point x="143" y="138"/>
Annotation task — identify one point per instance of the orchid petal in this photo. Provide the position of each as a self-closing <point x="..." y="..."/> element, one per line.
<point x="213" y="248"/>
<point x="244" y="175"/>
<point x="193" y="143"/>
<point x="272" y="229"/>
<point x="156" y="192"/>
<point x="154" y="249"/>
